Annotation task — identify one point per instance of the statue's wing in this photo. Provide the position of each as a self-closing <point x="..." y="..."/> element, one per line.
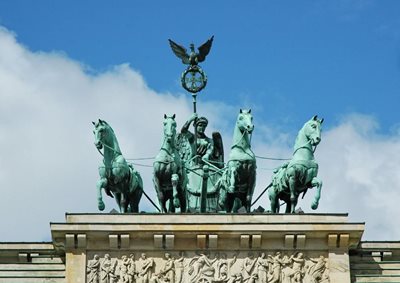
<point x="179" y="51"/>
<point x="204" y="50"/>
<point x="218" y="154"/>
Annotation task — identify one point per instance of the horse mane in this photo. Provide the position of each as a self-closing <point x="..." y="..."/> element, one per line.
<point x="298" y="135"/>
<point x="115" y="141"/>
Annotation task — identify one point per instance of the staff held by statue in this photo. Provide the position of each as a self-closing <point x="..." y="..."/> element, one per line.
<point x="193" y="78"/>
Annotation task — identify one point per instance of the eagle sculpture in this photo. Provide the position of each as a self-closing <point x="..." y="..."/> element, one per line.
<point x="193" y="58"/>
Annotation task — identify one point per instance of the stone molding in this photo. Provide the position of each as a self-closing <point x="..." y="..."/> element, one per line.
<point x="210" y="238"/>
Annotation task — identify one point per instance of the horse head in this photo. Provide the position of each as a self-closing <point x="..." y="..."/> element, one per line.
<point x="312" y="130"/>
<point x="169" y="128"/>
<point x="101" y="134"/>
<point x="245" y="121"/>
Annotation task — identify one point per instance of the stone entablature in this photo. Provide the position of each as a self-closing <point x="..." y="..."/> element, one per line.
<point x="207" y="231"/>
<point x="31" y="262"/>
<point x="375" y="262"/>
<point x="231" y="245"/>
<point x="92" y="239"/>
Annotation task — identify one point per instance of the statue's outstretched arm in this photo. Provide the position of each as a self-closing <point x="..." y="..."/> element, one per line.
<point x="186" y="126"/>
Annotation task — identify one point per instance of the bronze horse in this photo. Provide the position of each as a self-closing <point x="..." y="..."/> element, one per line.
<point x="118" y="178"/>
<point x="169" y="176"/>
<point x="300" y="174"/>
<point x="238" y="180"/>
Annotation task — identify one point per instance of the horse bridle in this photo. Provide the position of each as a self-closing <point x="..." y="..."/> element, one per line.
<point x="305" y="146"/>
<point x="241" y="138"/>
<point x="109" y="147"/>
<point x="168" y="152"/>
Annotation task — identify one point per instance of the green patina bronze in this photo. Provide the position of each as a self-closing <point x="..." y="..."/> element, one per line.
<point x="169" y="174"/>
<point x="189" y="172"/>
<point x="300" y="173"/>
<point x="204" y="158"/>
<point x="236" y="186"/>
<point x="193" y="79"/>
<point x="118" y="178"/>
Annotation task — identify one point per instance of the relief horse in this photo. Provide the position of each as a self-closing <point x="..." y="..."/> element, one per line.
<point x="118" y="178"/>
<point x="169" y="176"/>
<point x="300" y="173"/>
<point x="238" y="180"/>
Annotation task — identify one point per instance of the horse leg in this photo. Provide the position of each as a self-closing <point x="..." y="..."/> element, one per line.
<point x="182" y="189"/>
<point x="221" y="194"/>
<point x="135" y="199"/>
<point x="174" y="182"/>
<point x="135" y="196"/>
<point x="238" y="202"/>
<point x="163" y="202"/>
<point x="221" y="187"/>
<point x="160" y="193"/>
<point x="118" y="200"/>
<point x="288" y="207"/>
<point x="182" y="200"/>
<point x="136" y="191"/>
<point x="316" y="183"/>
<point x="250" y="189"/>
<point x="273" y="199"/>
<point x="101" y="184"/>
<point x="181" y="195"/>
<point x="232" y="176"/>
<point x="230" y="198"/>
<point x="162" y="199"/>
<point x="171" y="206"/>
<point x="123" y="203"/>
<point x="293" y="197"/>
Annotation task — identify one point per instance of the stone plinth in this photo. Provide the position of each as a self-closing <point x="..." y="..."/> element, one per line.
<point x="207" y="247"/>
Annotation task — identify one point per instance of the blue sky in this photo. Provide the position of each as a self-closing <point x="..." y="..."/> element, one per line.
<point x="329" y="57"/>
<point x="287" y="60"/>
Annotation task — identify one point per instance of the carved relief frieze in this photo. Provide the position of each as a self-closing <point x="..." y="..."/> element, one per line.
<point x="215" y="267"/>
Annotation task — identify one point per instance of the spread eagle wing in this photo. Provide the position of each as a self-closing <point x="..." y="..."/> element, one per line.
<point x="179" y="51"/>
<point x="218" y="154"/>
<point x="204" y="50"/>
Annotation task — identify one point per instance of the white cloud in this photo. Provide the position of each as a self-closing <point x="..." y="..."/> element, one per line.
<point x="360" y="169"/>
<point x="48" y="163"/>
<point x="48" y="160"/>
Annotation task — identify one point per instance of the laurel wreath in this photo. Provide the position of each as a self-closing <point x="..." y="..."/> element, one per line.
<point x="192" y="70"/>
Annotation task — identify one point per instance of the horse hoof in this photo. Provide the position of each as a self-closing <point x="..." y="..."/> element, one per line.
<point x="101" y="206"/>
<point x="314" y="206"/>
<point x="176" y="203"/>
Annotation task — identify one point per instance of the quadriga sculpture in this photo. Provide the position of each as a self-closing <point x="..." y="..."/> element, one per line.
<point x="169" y="176"/>
<point x="118" y="178"/>
<point x="300" y="173"/>
<point x="238" y="180"/>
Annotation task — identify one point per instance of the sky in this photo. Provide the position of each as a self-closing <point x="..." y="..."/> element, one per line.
<point x="64" y="64"/>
